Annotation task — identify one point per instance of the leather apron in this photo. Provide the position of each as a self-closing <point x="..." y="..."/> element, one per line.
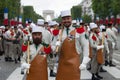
<point x="38" y="69"/>
<point x="90" y="51"/>
<point x="69" y="61"/>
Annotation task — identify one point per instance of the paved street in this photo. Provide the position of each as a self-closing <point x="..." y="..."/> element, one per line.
<point x="11" y="71"/>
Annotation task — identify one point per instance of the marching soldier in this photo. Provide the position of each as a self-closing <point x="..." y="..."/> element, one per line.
<point x="47" y="35"/>
<point x="34" y="59"/>
<point x="16" y="44"/>
<point x="53" y="57"/>
<point x="55" y="33"/>
<point x="71" y="43"/>
<point x="115" y="30"/>
<point x="20" y="30"/>
<point x="9" y="37"/>
<point x="27" y="33"/>
<point x="102" y="33"/>
<point x="111" y="42"/>
<point x="106" y="49"/>
<point x="47" y="39"/>
<point x="95" y="44"/>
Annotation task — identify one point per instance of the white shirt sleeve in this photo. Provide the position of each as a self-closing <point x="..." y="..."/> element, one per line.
<point x="82" y="44"/>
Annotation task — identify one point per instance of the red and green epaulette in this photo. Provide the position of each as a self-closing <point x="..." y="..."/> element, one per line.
<point x="55" y="32"/>
<point x="94" y="37"/>
<point x="24" y="31"/>
<point x="80" y="30"/>
<point x="24" y="46"/>
<point x="47" y="48"/>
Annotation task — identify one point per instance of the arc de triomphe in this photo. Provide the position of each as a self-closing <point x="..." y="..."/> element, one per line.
<point x="48" y="12"/>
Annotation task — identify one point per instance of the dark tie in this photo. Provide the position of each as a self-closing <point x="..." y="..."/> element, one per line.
<point x="67" y="30"/>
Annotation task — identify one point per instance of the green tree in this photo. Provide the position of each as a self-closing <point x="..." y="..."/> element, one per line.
<point x="29" y="13"/>
<point x="101" y="8"/>
<point x="1" y="11"/>
<point x="86" y="18"/>
<point x="13" y="8"/>
<point x="115" y="7"/>
<point x="76" y="12"/>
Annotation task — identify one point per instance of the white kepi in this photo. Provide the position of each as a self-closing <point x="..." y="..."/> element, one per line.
<point x="65" y="13"/>
<point x="37" y="29"/>
<point x="93" y="25"/>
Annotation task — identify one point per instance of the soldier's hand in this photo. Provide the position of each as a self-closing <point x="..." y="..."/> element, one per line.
<point x="82" y="67"/>
<point x="58" y="43"/>
<point x="100" y="47"/>
<point x="25" y="66"/>
<point x="86" y="59"/>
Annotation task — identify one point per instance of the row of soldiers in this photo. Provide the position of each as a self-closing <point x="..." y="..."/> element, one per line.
<point x="70" y="43"/>
<point x="104" y="39"/>
<point x="103" y="42"/>
<point x="97" y="37"/>
<point x="13" y="41"/>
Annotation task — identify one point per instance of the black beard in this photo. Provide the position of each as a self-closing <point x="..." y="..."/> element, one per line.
<point x="36" y="41"/>
<point x="96" y="32"/>
<point x="67" y="25"/>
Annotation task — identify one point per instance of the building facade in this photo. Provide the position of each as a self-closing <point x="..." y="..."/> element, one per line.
<point x="87" y="8"/>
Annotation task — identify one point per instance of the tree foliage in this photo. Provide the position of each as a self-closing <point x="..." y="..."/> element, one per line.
<point x="14" y="10"/>
<point x="76" y="12"/>
<point x="101" y="7"/>
<point x="13" y="7"/>
<point x="106" y="8"/>
<point x="115" y="7"/>
<point x="29" y="13"/>
<point x="86" y="18"/>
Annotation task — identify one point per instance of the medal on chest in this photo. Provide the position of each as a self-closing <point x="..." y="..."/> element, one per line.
<point x="71" y="37"/>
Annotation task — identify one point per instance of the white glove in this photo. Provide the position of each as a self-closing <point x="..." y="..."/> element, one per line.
<point x="84" y="62"/>
<point x="25" y="66"/>
<point x="113" y="45"/>
<point x="53" y="48"/>
<point x="86" y="59"/>
<point x="100" y="47"/>
<point x="31" y="38"/>
<point x="58" y="43"/>
<point x="82" y="67"/>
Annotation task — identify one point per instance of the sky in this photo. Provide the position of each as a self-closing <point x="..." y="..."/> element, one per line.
<point x="56" y="5"/>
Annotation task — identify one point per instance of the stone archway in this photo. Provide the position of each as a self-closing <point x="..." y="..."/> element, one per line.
<point x="48" y="12"/>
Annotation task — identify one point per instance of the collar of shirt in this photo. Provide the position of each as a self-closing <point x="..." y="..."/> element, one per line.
<point x="70" y="28"/>
<point x="37" y="47"/>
